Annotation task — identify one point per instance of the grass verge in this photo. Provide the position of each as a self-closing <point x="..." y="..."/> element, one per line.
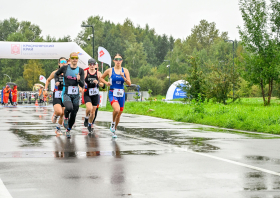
<point x="248" y="114"/>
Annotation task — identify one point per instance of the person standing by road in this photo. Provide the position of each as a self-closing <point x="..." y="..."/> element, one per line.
<point x="14" y="93"/>
<point x="73" y="77"/>
<point x="41" y="95"/>
<point x="58" y="106"/>
<point x="118" y="76"/>
<point x="91" y="94"/>
<point x="6" y="91"/>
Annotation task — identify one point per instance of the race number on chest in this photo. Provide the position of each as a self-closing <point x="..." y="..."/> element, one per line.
<point x="118" y="92"/>
<point x="73" y="90"/>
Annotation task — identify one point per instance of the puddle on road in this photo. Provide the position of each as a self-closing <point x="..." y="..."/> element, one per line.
<point x="262" y="159"/>
<point x="196" y="144"/>
<point x="30" y="139"/>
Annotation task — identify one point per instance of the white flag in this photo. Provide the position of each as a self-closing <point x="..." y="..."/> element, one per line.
<point x="42" y="79"/>
<point x="104" y="56"/>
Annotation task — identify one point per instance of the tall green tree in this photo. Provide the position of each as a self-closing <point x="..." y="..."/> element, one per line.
<point x="204" y="35"/>
<point x="262" y="50"/>
<point x="135" y="57"/>
<point x="32" y="70"/>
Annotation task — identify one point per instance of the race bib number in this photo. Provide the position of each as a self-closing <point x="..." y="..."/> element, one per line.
<point x="93" y="91"/>
<point x="73" y="90"/>
<point x="57" y="94"/>
<point x="118" y="92"/>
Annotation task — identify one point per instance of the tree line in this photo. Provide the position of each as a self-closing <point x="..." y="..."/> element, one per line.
<point x="203" y="58"/>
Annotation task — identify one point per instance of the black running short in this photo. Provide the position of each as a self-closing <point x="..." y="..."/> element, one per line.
<point x="93" y="99"/>
<point x="57" y="100"/>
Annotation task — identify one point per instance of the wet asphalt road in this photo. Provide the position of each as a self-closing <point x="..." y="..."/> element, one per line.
<point x="151" y="157"/>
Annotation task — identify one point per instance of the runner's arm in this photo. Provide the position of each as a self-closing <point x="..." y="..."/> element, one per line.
<point x="101" y="84"/>
<point x="58" y="72"/>
<point x="127" y="77"/>
<point x="48" y="82"/>
<point x="102" y="78"/>
<point x="81" y="82"/>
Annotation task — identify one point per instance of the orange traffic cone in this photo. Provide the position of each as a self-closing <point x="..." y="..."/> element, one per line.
<point x="36" y="103"/>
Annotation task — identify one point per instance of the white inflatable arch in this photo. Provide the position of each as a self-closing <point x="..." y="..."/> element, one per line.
<point x="175" y="92"/>
<point x="42" y="50"/>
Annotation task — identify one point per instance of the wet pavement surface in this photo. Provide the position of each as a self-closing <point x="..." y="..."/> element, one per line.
<point x="151" y="157"/>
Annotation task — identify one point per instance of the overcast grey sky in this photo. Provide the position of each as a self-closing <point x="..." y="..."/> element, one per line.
<point x="172" y="17"/>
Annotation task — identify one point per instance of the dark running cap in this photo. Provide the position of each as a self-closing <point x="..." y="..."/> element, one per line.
<point x="91" y="61"/>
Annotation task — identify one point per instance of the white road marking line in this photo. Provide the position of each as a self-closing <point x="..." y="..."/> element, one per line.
<point x="4" y="193"/>
<point x="206" y="155"/>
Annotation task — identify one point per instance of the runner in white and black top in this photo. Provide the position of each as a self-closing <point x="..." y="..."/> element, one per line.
<point x="73" y="76"/>
<point x="91" y="93"/>
<point x="57" y="102"/>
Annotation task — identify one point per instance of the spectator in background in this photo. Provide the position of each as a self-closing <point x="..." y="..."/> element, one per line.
<point x="41" y="97"/>
<point x="2" y="96"/>
<point x="6" y="95"/>
<point x="14" y="93"/>
<point x="11" y="96"/>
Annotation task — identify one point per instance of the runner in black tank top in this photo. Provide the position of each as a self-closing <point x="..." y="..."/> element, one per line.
<point x="57" y="102"/>
<point x="91" y="93"/>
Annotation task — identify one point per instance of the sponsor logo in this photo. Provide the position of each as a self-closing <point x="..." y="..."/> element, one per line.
<point x="70" y="77"/>
<point x="41" y="78"/>
<point x="79" y="53"/>
<point x="101" y="53"/>
<point x="15" y="49"/>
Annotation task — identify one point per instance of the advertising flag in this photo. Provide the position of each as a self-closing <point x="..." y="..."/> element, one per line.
<point x="104" y="56"/>
<point x="42" y="79"/>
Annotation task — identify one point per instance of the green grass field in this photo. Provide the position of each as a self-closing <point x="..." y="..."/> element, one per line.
<point x="248" y="114"/>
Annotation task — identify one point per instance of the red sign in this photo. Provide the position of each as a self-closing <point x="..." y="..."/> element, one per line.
<point x="101" y="53"/>
<point x="41" y="78"/>
<point x="15" y="49"/>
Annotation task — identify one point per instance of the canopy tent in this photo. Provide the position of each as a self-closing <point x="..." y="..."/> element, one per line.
<point x="42" y="50"/>
<point x="175" y="92"/>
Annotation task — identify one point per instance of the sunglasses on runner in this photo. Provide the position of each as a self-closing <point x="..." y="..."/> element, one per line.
<point x="63" y="61"/>
<point x="118" y="59"/>
<point x="74" y="57"/>
<point x="91" y="64"/>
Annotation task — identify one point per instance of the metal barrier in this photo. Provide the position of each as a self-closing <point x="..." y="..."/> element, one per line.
<point x="28" y="97"/>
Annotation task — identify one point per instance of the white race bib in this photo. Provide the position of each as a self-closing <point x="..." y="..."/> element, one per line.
<point x="118" y="92"/>
<point x="93" y="91"/>
<point x="73" y="90"/>
<point x="57" y="94"/>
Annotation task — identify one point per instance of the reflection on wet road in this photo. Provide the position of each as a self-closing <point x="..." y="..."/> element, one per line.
<point x="151" y="157"/>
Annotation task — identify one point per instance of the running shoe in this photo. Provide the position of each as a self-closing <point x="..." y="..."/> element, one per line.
<point x="58" y="130"/>
<point x="89" y="129"/>
<point x="86" y="122"/>
<point x="54" y="118"/>
<point x="68" y="135"/>
<point x="112" y="128"/>
<point x="65" y="123"/>
<point x="114" y="135"/>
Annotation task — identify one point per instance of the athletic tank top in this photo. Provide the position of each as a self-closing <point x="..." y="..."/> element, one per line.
<point x="70" y="78"/>
<point x="90" y="78"/>
<point x="116" y="80"/>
